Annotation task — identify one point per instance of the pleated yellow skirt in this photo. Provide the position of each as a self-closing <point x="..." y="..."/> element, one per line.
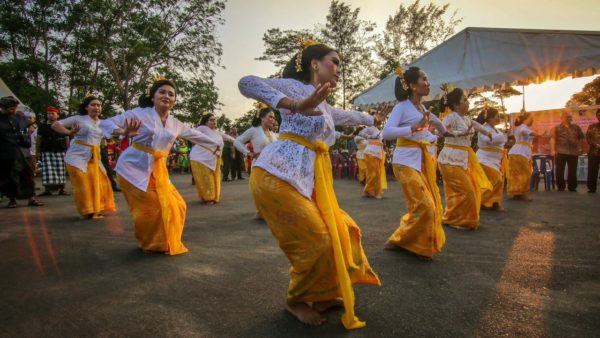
<point x="150" y="230"/>
<point x="462" y="201"/>
<point x="375" y="178"/>
<point x="208" y="183"/>
<point x="362" y="170"/>
<point x="496" y="178"/>
<point x="419" y="231"/>
<point x="519" y="175"/>
<point x="83" y="190"/>
<point x="302" y="234"/>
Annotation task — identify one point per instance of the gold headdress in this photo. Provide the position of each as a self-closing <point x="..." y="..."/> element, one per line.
<point x="446" y="88"/>
<point x="400" y="73"/>
<point x="260" y="106"/>
<point x="88" y="95"/>
<point x="155" y="78"/>
<point x="304" y="43"/>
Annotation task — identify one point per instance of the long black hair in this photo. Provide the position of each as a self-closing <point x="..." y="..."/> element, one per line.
<point x="145" y="99"/>
<point x="204" y="119"/>
<point x="452" y="99"/>
<point x="402" y="89"/>
<point x="86" y="101"/>
<point x="318" y="52"/>
<point x="257" y="119"/>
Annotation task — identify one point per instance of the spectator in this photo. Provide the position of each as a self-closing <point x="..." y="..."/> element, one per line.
<point x="566" y="147"/>
<point x="51" y="146"/>
<point x="593" y="138"/>
<point x="16" y="175"/>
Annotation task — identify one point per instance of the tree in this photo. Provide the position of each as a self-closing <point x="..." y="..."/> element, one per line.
<point x="589" y="94"/>
<point x="411" y="32"/>
<point x="281" y="46"/>
<point x="480" y="102"/>
<point x="353" y="39"/>
<point x="504" y="93"/>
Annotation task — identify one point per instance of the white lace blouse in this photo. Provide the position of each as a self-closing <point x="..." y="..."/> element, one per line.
<point x="457" y="124"/>
<point x="371" y="133"/>
<point x="258" y="138"/>
<point x="286" y="159"/>
<point x="135" y="166"/>
<point x="490" y="158"/>
<point x="361" y="145"/>
<point x="202" y="155"/>
<point x="79" y="155"/>
<point x="522" y="134"/>
<point x="403" y="116"/>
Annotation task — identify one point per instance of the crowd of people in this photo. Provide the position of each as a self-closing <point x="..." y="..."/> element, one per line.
<point x="291" y="169"/>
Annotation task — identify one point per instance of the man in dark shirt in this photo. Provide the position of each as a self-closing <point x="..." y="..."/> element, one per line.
<point x="566" y="147"/>
<point x="15" y="173"/>
<point x="593" y="138"/>
<point x="51" y="149"/>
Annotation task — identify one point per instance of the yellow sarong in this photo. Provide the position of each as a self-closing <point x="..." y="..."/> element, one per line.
<point x="496" y="178"/>
<point x="158" y="213"/>
<point x="503" y="162"/>
<point x="84" y="191"/>
<point x="420" y="230"/>
<point x="95" y="174"/>
<point x="375" y="179"/>
<point x="208" y="182"/>
<point x="462" y="198"/>
<point x="309" y="232"/>
<point x="362" y="170"/>
<point x="519" y="175"/>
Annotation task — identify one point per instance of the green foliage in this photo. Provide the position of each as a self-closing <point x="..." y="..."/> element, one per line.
<point x="71" y="47"/>
<point x="589" y="94"/>
<point x="412" y="31"/>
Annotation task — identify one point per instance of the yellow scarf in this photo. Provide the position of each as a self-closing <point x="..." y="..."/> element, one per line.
<point x="480" y="178"/>
<point x="429" y="171"/>
<point x="503" y="162"/>
<point x="95" y="172"/>
<point x="331" y="214"/>
<point x="383" y="175"/>
<point x="163" y="188"/>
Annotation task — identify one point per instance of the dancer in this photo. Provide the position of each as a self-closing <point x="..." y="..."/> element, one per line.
<point x="206" y="160"/>
<point x="464" y="179"/>
<point x="374" y="160"/>
<point x="157" y="208"/>
<point x="420" y="230"/>
<point x="292" y="185"/>
<point x="260" y="135"/>
<point x="361" y="145"/>
<point x="493" y="159"/>
<point x="520" y="166"/>
<point x="91" y="187"/>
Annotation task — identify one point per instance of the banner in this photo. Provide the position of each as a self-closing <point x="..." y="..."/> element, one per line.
<point x="545" y="120"/>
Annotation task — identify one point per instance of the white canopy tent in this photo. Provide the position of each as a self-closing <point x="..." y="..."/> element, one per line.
<point x="480" y="59"/>
<point x="5" y="91"/>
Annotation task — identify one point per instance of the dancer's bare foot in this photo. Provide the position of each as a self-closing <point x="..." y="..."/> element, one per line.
<point x="390" y="246"/>
<point x="526" y="198"/>
<point x="328" y="304"/>
<point x="498" y="207"/>
<point x="379" y="197"/>
<point x="305" y="313"/>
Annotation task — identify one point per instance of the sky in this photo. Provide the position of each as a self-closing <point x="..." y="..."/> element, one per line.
<point x="247" y="20"/>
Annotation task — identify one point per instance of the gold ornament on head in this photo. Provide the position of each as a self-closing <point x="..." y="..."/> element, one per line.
<point x="260" y="106"/>
<point x="157" y="78"/>
<point x="400" y="73"/>
<point x="304" y="43"/>
<point x="205" y="113"/>
<point x="88" y="95"/>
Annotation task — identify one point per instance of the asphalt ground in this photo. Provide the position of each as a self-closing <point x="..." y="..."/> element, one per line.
<point x="530" y="272"/>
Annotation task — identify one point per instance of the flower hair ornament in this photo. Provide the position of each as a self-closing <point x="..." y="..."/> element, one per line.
<point x="155" y="79"/>
<point x="400" y="73"/>
<point x="88" y="95"/>
<point x="260" y="106"/>
<point x="446" y="88"/>
<point x="304" y="43"/>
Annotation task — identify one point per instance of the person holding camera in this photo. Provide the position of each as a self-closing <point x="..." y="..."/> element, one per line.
<point x="16" y="176"/>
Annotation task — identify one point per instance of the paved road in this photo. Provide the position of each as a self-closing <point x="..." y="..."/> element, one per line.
<point x="533" y="271"/>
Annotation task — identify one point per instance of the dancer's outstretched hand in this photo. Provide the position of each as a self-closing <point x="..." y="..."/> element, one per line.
<point x="382" y="113"/>
<point x="131" y="127"/>
<point x="74" y="130"/>
<point x="310" y="103"/>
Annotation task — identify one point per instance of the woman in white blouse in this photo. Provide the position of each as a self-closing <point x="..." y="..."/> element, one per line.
<point x="260" y="135"/>
<point x="374" y="157"/>
<point x="361" y="145"/>
<point x="206" y="160"/>
<point x="420" y="230"/>
<point x="91" y="187"/>
<point x="520" y="166"/>
<point x="292" y="186"/>
<point x="464" y="179"/>
<point x="157" y="208"/>
<point x="492" y="156"/>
